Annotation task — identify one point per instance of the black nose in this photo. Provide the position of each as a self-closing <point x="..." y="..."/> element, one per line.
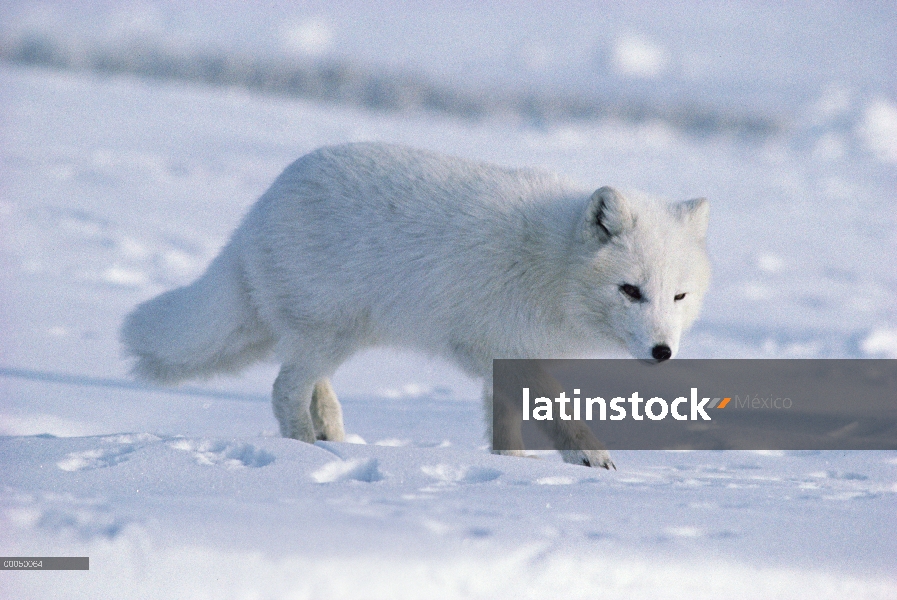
<point x="661" y="352"/>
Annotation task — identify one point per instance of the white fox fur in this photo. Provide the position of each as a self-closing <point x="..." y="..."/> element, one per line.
<point x="363" y="245"/>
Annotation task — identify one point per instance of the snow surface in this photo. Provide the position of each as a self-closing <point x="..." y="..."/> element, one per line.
<point x="113" y="189"/>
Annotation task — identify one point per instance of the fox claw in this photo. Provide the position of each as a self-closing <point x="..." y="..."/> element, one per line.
<point x="589" y="458"/>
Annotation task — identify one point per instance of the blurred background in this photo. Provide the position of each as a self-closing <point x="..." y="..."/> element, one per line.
<point x="748" y="67"/>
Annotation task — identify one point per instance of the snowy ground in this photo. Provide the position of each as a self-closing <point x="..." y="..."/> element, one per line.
<point x="115" y="189"/>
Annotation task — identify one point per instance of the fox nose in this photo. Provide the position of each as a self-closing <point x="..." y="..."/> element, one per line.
<point x="661" y="352"/>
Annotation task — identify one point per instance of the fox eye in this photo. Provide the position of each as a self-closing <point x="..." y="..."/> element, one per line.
<point x="632" y="292"/>
<point x="679" y="297"/>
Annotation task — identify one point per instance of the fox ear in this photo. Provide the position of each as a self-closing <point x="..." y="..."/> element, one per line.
<point x="695" y="214"/>
<point x="608" y="214"/>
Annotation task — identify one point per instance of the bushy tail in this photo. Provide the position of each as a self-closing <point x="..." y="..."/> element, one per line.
<point x="198" y="330"/>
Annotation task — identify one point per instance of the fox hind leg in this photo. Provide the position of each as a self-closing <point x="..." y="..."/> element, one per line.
<point x="326" y="413"/>
<point x="291" y="399"/>
<point x="306" y="406"/>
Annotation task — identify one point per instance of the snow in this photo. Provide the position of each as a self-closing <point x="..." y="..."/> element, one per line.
<point x="879" y="128"/>
<point x="114" y="189"/>
<point x="638" y="57"/>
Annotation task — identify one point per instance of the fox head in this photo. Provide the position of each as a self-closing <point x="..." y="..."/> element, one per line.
<point x="644" y="270"/>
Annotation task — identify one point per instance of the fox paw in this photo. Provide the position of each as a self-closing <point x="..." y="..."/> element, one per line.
<point x="517" y="453"/>
<point x="599" y="459"/>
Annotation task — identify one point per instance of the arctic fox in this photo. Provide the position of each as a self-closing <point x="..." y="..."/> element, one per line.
<point x="363" y="245"/>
